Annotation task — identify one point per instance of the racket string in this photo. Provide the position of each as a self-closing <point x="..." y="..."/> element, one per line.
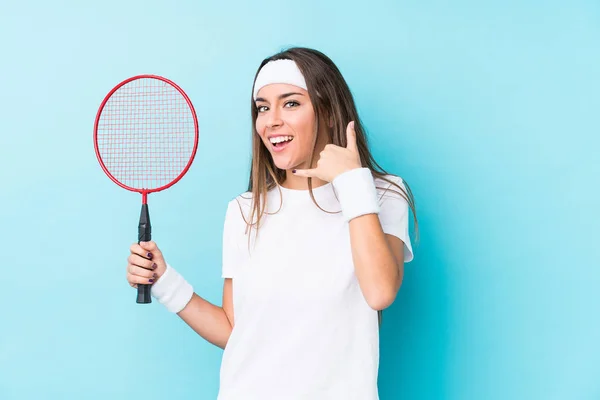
<point x="146" y="133"/>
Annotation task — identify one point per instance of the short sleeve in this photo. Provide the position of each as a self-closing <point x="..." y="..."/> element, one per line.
<point x="394" y="212"/>
<point x="232" y="257"/>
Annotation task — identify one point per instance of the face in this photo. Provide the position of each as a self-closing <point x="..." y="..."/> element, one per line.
<point x="286" y="123"/>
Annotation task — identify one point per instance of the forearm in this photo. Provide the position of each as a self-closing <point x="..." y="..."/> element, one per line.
<point x="378" y="272"/>
<point x="207" y="320"/>
<point x="177" y="295"/>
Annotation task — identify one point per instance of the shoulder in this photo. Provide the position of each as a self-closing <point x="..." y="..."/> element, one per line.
<point x="390" y="185"/>
<point x="239" y="206"/>
<point x="239" y="211"/>
<point x="388" y="180"/>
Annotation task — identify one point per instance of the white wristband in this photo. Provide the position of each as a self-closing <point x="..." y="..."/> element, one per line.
<point x="356" y="193"/>
<point x="172" y="290"/>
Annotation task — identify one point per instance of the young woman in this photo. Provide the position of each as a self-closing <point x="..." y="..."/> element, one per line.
<point x="312" y="252"/>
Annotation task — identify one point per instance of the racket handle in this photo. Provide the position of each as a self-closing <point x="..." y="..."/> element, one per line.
<point x="144" y="235"/>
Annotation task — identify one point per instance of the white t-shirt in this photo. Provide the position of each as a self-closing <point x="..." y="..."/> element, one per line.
<point x="302" y="329"/>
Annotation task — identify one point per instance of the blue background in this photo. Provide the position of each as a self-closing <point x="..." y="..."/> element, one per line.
<point x="490" y="110"/>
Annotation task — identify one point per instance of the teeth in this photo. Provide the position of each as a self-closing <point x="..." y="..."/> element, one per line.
<point x="280" y="139"/>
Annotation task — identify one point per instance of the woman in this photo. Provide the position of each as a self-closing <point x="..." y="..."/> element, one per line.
<point x="308" y="266"/>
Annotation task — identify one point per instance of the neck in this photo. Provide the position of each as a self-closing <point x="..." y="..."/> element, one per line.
<point x="299" y="182"/>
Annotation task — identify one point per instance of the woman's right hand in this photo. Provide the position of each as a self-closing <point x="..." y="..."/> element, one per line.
<point x="145" y="264"/>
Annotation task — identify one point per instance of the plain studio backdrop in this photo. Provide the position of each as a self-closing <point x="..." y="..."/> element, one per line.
<point x="489" y="110"/>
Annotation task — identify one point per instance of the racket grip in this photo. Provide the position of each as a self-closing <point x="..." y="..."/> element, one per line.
<point x="144" y="235"/>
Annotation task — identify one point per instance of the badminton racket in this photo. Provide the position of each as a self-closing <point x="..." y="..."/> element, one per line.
<point x="145" y="138"/>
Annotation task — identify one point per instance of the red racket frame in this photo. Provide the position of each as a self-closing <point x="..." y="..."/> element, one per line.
<point x="145" y="192"/>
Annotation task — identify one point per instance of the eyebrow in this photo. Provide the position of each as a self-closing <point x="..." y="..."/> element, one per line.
<point x="282" y="96"/>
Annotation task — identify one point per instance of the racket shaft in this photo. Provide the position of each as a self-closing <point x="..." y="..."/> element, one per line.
<point x="144" y="235"/>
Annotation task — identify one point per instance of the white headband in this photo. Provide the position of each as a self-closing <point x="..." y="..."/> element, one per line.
<point x="279" y="71"/>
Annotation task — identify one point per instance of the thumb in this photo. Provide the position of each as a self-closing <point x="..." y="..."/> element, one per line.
<point x="351" y="137"/>
<point x="150" y="246"/>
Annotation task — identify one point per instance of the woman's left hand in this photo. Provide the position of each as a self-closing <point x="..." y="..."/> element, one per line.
<point x="335" y="160"/>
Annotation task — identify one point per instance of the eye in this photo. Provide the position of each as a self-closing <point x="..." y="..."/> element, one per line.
<point x="295" y="103"/>
<point x="261" y="108"/>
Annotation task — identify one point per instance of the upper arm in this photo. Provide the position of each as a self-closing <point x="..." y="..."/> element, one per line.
<point x="231" y="256"/>
<point x="228" y="299"/>
<point x="397" y="247"/>
<point x="393" y="216"/>
<point x="234" y="254"/>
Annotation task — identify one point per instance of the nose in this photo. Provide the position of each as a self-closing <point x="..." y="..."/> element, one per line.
<point x="274" y="119"/>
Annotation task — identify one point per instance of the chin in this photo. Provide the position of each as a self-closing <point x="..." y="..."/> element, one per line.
<point x="284" y="164"/>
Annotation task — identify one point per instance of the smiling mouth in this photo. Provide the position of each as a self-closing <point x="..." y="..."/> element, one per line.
<point x="280" y="141"/>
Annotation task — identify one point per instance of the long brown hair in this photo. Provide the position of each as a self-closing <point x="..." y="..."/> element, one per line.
<point x="333" y="102"/>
